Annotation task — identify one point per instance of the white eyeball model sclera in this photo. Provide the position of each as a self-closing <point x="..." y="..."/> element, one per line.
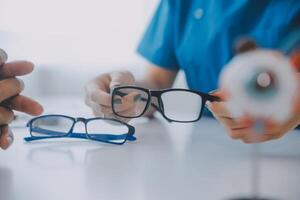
<point x="261" y="84"/>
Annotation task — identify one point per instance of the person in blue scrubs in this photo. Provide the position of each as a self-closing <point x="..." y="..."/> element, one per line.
<point x="197" y="37"/>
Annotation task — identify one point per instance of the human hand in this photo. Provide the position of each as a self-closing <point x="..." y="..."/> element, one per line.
<point x="98" y="96"/>
<point x="245" y="127"/>
<point x="10" y="98"/>
<point x="242" y="128"/>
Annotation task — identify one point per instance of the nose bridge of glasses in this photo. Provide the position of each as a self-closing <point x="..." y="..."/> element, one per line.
<point x="81" y="119"/>
<point x="79" y="125"/>
<point x="155" y="99"/>
<point x="157" y="103"/>
<point x="155" y="93"/>
<point x="212" y="98"/>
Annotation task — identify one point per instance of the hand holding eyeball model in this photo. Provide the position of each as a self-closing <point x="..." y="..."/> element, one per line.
<point x="260" y="89"/>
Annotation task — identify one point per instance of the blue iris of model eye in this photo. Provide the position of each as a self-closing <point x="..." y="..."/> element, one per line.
<point x="261" y="85"/>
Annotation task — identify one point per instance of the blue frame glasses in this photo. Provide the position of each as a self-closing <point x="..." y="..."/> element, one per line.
<point x="61" y="126"/>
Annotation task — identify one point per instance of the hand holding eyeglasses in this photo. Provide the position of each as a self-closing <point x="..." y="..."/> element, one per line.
<point x="98" y="92"/>
<point x="112" y="95"/>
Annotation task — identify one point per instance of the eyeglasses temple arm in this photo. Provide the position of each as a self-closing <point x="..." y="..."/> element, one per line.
<point x="32" y="138"/>
<point x="109" y="137"/>
<point x="212" y="98"/>
<point x="104" y="137"/>
<point x="78" y="136"/>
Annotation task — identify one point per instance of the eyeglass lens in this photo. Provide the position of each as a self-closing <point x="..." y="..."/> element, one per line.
<point x="181" y="105"/>
<point x="51" y="126"/>
<point x="97" y="128"/>
<point x="130" y="102"/>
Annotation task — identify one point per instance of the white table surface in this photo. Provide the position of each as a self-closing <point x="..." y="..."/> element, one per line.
<point x="168" y="161"/>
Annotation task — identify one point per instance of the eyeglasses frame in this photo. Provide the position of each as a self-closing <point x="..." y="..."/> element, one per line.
<point x="129" y="135"/>
<point x="158" y="93"/>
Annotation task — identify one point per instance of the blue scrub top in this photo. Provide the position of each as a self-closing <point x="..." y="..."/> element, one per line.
<point x="197" y="36"/>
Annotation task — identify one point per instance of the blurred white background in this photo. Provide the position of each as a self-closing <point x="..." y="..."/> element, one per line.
<point x="71" y="41"/>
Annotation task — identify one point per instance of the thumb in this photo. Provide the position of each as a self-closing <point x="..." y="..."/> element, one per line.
<point x="121" y="78"/>
<point x="222" y="94"/>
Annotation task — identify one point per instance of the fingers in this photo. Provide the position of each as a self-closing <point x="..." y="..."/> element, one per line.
<point x="222" y="94"/>
<point x="123" y="108"/>
<point x="17" y="68"/>
<point x="24" y="104"/>
<point x="6" y="116"/>
<point x="241" y="129"/>
<point x="233" y="127"/>
<point x="250" y="138"/>
<point x="237" y="134"/>
<point x="98" y="96"/>
<point x="218" y="109"/>
<point x="107" y="112"/>
<point x="100" y="110"/>
<point x="6" y="137"/>
<point x="98" y="90"/>
<point x="121" y="78"/>
<point x="105" y="109"/>
<point x="234" y="124"/>
<point x="126" y="102"/>
<point x="10" y="87"/>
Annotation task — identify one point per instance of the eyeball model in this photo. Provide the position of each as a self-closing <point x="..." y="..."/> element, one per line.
<point x="261" y="84"/>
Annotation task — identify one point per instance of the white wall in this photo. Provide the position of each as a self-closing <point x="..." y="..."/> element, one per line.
<point x="70" y="41"/>
<point x="89" y="32"/>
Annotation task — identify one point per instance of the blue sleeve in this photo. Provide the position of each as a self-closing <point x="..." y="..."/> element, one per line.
<point x="291" y="31"/>
<point x="157" y="44"/>
<point x="291" y="41"/>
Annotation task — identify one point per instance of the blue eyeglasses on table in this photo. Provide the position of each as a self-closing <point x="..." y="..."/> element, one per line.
<point x="61" y="126"/>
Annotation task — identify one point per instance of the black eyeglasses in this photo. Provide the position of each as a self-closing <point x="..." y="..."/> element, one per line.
<point x="175" y="105"/>
<point x="60" y="126"/>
